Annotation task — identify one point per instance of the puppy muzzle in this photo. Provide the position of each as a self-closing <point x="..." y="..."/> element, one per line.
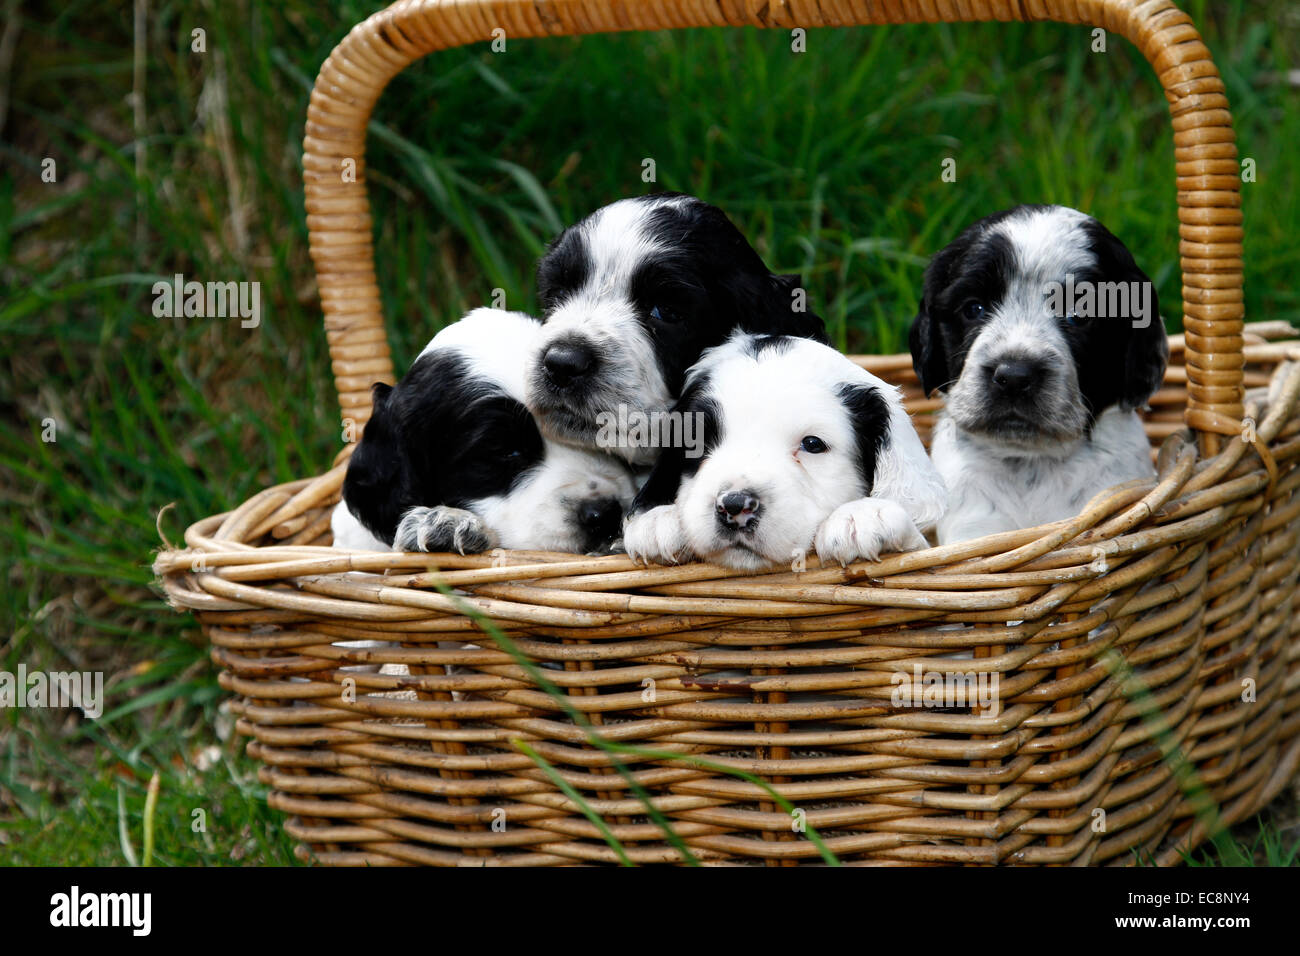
<point x="600" y="521"/>
<point x="738" y="512"/>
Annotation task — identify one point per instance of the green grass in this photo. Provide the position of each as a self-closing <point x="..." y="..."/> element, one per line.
<point x="828" y="160"/>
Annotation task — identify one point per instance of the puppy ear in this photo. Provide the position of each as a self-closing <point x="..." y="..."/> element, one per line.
<point x="562" y="268"/>
<point x="770" y="304"/>
<point x="661" y="484"/>
<point x="1145" y="361"/>
<point x="677" y="463"/>
<point x="788" y="290"/>
<point x="929" y="357"/>
<point x="376" y="485"/>
<point x="892" y="461"/>
<point x="1146" y="350"/>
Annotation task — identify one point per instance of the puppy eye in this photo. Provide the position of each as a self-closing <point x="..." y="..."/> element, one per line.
<point x="1076" y="320"/>
<point x="813" y="445"/>
<point x="662" y="313"/>
<point x="972" y="310"/>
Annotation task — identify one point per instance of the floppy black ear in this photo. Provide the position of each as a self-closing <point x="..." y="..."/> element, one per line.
<point x="925" y="339"/>
<point x="377" y="486"/>
<point x="892" y="462"/>
<point x="929" y="356"/>
<point x="661" y="484"/>
<point x="1146" y="348"/>
<point x="789" y="313"/>
<point x="770" y="304"/>
<point x="676" y="463"/>
<point x="564" y="267"/>
<point x="1146" y="358"/>
<point x="869" y="415"/>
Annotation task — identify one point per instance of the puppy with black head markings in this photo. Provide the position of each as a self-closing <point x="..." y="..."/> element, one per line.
<point x="451" y="460"/>
<point x="802" y="448"/>
<point x="631" y="297"/>
<point x="1045" y="336"/>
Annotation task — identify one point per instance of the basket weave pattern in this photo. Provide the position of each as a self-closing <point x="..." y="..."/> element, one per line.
<point x="1146" y="653"/>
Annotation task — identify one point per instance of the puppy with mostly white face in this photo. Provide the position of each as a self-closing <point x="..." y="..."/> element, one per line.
<point x="631" y="297"/>
<point x="802" y="448"/>
<point x="1045" y="336"/>
<point x="451" y="460"/>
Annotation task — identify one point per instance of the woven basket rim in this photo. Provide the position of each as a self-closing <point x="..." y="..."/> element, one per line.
<point x="1111" y="513"/>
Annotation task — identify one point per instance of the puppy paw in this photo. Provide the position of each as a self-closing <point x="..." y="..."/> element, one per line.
<point x="865" y="528"/>
<point x="656" y="537"/>
<point x="443" y="529"/>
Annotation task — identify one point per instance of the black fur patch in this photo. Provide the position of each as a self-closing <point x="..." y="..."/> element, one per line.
<point x="975" y="265"/>
<point x="777" y="344"/>
<point x="708" y="282"/>
<point x="441" y="436"/>
<point x="673" y="466"/>
<point x="869" y="414"/>
<point x="563" y="269"/>
<point x="1142" y="353"/>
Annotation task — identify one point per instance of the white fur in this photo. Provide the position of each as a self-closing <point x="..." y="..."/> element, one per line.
<point x="865" y="528"/>
<point x="992" y="490"/>
<point x="499" y="345"/>
<point x="768" y="405"/>
<point x="657" y="536"/>
<point x="537" y="514"/>
<point x="603" y="313"/>
<point x="350" y="534"/>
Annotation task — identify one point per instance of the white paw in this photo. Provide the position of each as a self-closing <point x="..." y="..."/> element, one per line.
<point x="656" y="537"/>
<point x="443" y="529"/>
<point x="864" y="529"/>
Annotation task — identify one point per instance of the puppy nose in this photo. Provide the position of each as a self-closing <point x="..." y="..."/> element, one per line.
<point x="601" y="516"/>
<point x="1015" y="378"/>
<point x="566" y="361"/>
<point x="736" y="509"/>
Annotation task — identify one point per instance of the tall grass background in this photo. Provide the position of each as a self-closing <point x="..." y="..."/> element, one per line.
<point x="173" y="161"/>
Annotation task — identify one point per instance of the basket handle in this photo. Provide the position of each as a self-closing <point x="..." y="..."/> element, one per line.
<point x="356" y="72"/>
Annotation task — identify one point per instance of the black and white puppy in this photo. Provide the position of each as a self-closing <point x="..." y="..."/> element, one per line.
<point x="451" y="460"/>
<point x="1045" y="336"/>
<point x="802" y="448"/>
<point x="632" y="295"/>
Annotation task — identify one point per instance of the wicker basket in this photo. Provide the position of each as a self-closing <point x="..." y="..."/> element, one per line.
<point x="1145" y="651"/>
